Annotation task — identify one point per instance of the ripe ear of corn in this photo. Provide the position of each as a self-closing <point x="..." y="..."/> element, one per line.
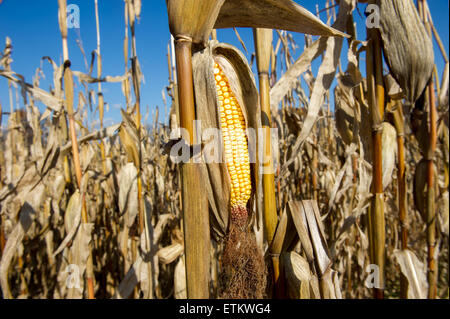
<point x="234" y="141"/>
<point x="218" y="173"/>
<point x="226" y="99"/>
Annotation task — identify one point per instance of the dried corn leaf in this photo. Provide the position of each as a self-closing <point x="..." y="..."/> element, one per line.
<point x="283" y="234"/>
<point x="146" y="279"/>
<point x="79" y="253"/>
<point x="87" y="153"/>
<point x="324" y="78"/>
<point x="50" y="159"/>
<point x="327" y="285"/>
<point x="337" y="286"/>
<point x="317" y="235"/>
<point x="443" y="96"/>
<point x="314" y="288"/>
<point x="26" y="217"/>
<point x="443" y="206"/>
<point x="128" y="203"/>
<point x="272" y="14"/>
<point x="72" y="219"/>
<point x="100" y="134"/>
<point x="159" y="228"/>
<point x="49" y="100"/>
<point x="290" y="79"/>
<point x="298" y="216"/>
<point x="170" y="253"/>
<point x="240" y="40"/>
<point x="415" y="271"/>
<point x="420" y="188"/>
<point x="139" y="272"/>
<point x="21" y="185"/>
<point x="344" y="113"/>
<point x="130" y="281"/>
<point x="393" y="90"/>
<point x="137" y="8"/>
<point x="350" y="150"/>
<point x="83" y="77"/>
<point x="129" y="137"/>
<point x="179" y="281"/>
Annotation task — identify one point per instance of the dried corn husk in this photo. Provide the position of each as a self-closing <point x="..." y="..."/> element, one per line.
<point x="407" y="47"/>
<point x="193" y="18"/>
<point x="330" y="285"/>
<point x="443" y="215"/>
<point x="72" y="216"/>
<point x="389" y="155"/>
<point x="242" y="83"/>
<point x="130" y="138"/>
<point x="415" y="271"/>
<point x="168" y="254"/>
<point x="128" y="189"/>
<point x="351" y="110"/>
<point x="344" y="114"/>
<point x="393" y="90"/>
<point x="179" y="280"/>
<point x="72" y="220"/>
<point x="79" y="253"/>
<point x="306" y="218"/>
<point x="298" y="275"/>
<point x="297" y="213"/>
<point x="420" y="188"/>
<point x="27" y="214"/>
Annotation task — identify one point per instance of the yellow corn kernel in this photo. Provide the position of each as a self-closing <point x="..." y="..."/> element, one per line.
<point x="235" y="142"/>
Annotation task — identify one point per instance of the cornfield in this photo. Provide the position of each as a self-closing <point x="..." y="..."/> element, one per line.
<point x="313" y="183"/>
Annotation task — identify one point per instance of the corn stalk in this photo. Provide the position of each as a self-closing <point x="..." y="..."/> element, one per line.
<point x="195" y="209"/>
<point x="401" y="189"/>
<point x="101" y="105"/>
<point x="68" y="84"/>
<point x="430" y="154"/>
<point x="263" y="47"/>
<point x="195" y="217"/>
<point x="374" y="66"/>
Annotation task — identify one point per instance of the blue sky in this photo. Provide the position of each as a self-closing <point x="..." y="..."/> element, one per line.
<point x="33" y="28"/>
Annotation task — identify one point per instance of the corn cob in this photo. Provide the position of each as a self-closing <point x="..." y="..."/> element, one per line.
<point x="235" y="145"/>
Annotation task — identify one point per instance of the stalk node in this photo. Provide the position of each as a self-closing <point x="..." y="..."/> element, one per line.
<point x="183" y="38"/>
